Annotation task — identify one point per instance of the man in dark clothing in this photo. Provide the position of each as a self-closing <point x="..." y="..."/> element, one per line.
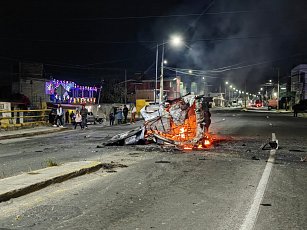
<point x="125" y="112"/>
<point x="72" y="117"/>
<point x="83" y="113"/>
<point x="67" y="117"/>
<point x="112" y="118"/>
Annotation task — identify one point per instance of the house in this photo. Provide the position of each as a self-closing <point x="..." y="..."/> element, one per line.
<point x="299" y="82"/>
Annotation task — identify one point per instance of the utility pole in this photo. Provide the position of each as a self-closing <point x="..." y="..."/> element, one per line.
<point x="125" y="86"/>
<point x="99" y="95"/>
<point x="277" y="88"/>
<point x="156" y="85"/>
<point x="161" y="78"/>
<point x="245" y="95"/>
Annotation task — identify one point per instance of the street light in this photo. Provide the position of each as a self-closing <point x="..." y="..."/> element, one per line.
<point x="226" y="83"/>
<point x="175" y="41"/>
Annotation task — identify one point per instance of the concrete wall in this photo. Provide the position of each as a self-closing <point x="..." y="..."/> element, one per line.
<point x="33" y="88"/>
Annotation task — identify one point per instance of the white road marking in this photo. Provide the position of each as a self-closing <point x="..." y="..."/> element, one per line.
<point x="251" y="217"/>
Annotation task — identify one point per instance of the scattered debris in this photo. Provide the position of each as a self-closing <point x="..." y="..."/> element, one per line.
<point x="33" y="173"/>
<point x="303" y="159"/>
<point x="296" y="150"/>
<point x="266" y="204"/>
<point x="202" y="159"/>
<point x="163" y="162"/>
<point x="51" y="163"/>
<point x="271" y="144"/>
<point x="113" y="165"/>
<point x="255" y="158"/>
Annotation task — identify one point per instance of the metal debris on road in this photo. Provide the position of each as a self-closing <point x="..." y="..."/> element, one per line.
<point x="182" y="124"/>
<point x="255" y="158"/>
<point x="163" y="162"/>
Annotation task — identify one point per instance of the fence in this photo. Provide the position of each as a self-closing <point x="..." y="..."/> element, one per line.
<point x="23" y="117"/>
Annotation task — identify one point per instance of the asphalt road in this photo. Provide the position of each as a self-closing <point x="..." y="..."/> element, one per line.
<point x="237" y="184"/>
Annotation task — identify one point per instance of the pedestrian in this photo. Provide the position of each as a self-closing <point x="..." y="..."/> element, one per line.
<point x="83" y="113"/>
<point x="119" y="116"/>
<point x="125" y="112"/>
<point x="133" y="112"/>
<point x="51" y="117"/>
<point x="207" y="120"/>
<point x="78" y="120"/>
<point x="59" y="116"/>
<point x="67" y="117"/>
<point x="111" y="118"/>
<point x="72" y="117"/>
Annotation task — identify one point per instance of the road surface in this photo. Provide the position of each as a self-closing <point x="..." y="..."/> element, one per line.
<point x="237" y="184"/>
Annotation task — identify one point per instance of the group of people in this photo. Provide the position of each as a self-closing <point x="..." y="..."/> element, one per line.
<point x="120" y="115"/>
<point x="78" y="118"/>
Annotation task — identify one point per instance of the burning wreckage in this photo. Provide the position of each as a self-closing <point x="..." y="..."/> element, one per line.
<point x="183" y="123"/>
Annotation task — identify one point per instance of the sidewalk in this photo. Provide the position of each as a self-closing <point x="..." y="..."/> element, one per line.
<point x="29" y="132"/>
<point x="26" y="183"/>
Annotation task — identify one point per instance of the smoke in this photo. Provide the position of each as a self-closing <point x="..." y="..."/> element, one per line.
<point x="265" y="32"/>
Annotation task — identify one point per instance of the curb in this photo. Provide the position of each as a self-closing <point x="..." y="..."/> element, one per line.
<point x="35" y="186"/>
<point x="30" y="134"/>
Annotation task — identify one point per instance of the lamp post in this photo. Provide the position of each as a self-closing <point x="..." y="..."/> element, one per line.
<point x="156" y="83"/>
<point x="226" y="83"/>
<point x="161" y="77"/>
<point x="175" y="41"/>
<point x="277" y="88"/>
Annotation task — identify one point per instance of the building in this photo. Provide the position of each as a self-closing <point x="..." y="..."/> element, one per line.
<point x="145" y="89"/>
<point x="299" y="82"/>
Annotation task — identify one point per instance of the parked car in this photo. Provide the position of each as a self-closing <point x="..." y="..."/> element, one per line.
<point x="91" y="118"/>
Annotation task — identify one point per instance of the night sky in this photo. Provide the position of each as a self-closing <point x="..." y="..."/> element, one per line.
<point x="241" y="40"/>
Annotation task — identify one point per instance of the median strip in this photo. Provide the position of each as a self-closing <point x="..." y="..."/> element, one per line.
<point x="26" y="183"/>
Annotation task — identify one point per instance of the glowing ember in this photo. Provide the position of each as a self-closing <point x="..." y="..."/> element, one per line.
<point x="207" y="142"/>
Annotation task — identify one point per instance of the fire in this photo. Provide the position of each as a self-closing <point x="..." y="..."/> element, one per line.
<point x="181" y="123"/>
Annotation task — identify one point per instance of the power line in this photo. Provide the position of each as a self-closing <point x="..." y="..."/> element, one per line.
<point x="149" y="41"/>
<point x="157" y="16"/>
<point x="233" y="67"/>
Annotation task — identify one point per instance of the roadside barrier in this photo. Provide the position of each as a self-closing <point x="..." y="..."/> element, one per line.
<point x="18" y="118"/>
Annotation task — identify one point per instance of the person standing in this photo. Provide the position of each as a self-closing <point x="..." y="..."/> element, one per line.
<point x="67" y="117"/>
<point x="78" y="120"/>
<point x="119" y="116"/>
<point x="59" y="116"/>
<point x="125" y="112"/>
<point x="133" y="112"/>
<point x="72" y="117"/>
<point x="111" y="118"/>
<point x="83" y="113"/>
